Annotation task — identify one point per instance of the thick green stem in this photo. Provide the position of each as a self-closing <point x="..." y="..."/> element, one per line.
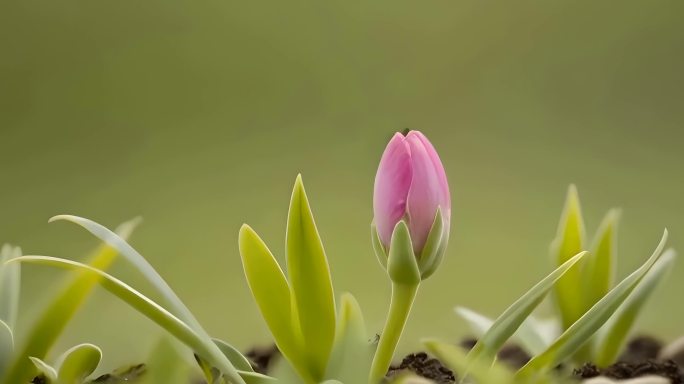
<point x="400" y="307"/>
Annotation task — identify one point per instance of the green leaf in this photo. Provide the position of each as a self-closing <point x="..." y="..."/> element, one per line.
<point x="433" y="252"/>
<point x="613" y="334"/>
<point x="271" y="292"/>
<point x="311" y="285"/>
<point x="6" y="345"/>
<point x="148" y="308"/>
<point x="165" y="365"/>
<point x="569" y="242"/>
<point x="78" y="363"/>
<point x="456" y="359"/>
<point x="402" y="265"/>
<point x="50" y="323"/>
<point x="509" y="321"/>
<point x="378" y="248"/>
<point x="581" y="331"/>
<point x="238" y="359"/>
<point x="599" y="267"/>
<point x="10" y="284"/>
<point x="529" y="335"/>
<point x="352" y="353"/>
<point x="44" y="368"/>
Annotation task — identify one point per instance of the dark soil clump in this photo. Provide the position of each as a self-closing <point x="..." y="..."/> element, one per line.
<point x="624" y="370"/>
<point x="423" y="365"/>
<point x="262" y="358"/>
<point x="641" y="348"/>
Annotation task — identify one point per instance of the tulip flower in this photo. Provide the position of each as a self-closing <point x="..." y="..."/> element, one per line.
<point x="411" y="186"/>
<point x="410" y="231"/>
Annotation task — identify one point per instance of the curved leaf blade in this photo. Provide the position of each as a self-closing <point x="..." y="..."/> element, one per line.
<point x="511" y="319"/>
<point x="78" y="363"/>
<point x="599" y="268"/>
<point x="311" y="284"/>
<point x="149" y="309"/>
<point x="456" y="359"/>
<point x="580" y="332"/>
<point x="615" y="331"/>
<point x="44" y="368"/>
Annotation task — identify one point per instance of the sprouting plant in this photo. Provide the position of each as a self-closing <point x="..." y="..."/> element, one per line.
<point x="72" y="367"/>
<point x="608" y="311"/>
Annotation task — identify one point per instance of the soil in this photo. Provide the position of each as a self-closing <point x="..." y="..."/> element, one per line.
<point x="625" y="370"/>
<point x="262" y="357"/>
<point x="423" y="365"/>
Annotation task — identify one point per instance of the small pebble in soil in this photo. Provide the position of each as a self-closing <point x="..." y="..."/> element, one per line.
<point x="423" y="365"/>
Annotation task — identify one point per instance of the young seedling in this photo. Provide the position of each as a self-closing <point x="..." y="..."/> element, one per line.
<point x="72" y="367"/>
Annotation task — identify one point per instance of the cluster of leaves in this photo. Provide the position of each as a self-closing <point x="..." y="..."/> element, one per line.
<point x="594" y="315"/>
<point x="322" y="343"/>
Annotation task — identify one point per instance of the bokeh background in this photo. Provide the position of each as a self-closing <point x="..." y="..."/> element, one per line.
<point x="198" y="115"/>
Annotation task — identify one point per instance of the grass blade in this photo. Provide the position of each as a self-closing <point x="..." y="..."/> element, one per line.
<point x="580" y="332"/>
<point x="509" y="321"/>
<point x="599" y="267"/>
<point x="615" y="331"/>
<point x="310" y="281"/>
<point x="149" y="308"/>
<point x="51" y="322"/>
<point x="569" y="242"/>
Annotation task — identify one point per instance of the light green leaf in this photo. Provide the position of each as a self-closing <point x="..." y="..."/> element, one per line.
<point x="612" y="336"/>
<point x="165" y="365"/>
<point x="150" y="309"/>
<point x="78" y="363"/>
<point x="6" y="345"/>
<point x="433" y="251"/>
<point x="484" y="372"/>
<point x="239" y="361"/>
<point x="10" y="284"/>
<point x="271" y="292"/>
<point x="352" y="353"/>
<point x="569" y="242"/>
<point x="257" y="378"/>
<point x="45" y="369"/>
<point x="529" y="335"/>
<point x="509" y="321"/>
<point x="402" y="265"/>
<point x="50" y="323"/>
<point x="310" y="281"/>
<point x="599" y="267"/>
<point x="581" y="331"/>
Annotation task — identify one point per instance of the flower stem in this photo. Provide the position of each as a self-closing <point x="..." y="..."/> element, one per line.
<point x="400" y="307"/>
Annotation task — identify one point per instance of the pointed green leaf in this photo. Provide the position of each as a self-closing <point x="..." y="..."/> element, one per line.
<point x="509" y="321"/>
<point x="615" y="331"/>
<point x="78" y="363"/>
<point x="45" y="369"/>
<point x="165" y="365"/>
<point x="238" y="359"/>
<point x="582" y="330"/>
<point x="6" y="345"/>
<point x="148" y="308"/>
<point x="456" y="359"/>
<point x="310" y="280"/>
<point x="599" y="267"/>
<point x="10" y="278"/>
<point x="433" y="251"/>
<point x="352" y="353"/>
<point x="271" y="292"/>
<point x="50" y="323"/>
<point x="569" y="242"/>
<point x="402" y="265"/>
<point x="378" y="248"/>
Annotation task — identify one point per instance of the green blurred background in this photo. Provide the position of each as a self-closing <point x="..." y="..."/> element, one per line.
<point x="198" y="115"/>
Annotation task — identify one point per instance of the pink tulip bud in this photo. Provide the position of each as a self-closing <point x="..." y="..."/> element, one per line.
<point x="411" y="185"/>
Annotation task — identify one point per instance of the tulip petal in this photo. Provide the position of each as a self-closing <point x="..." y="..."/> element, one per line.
<point x="428" y="189"/>
<point x="392" y="184"/>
